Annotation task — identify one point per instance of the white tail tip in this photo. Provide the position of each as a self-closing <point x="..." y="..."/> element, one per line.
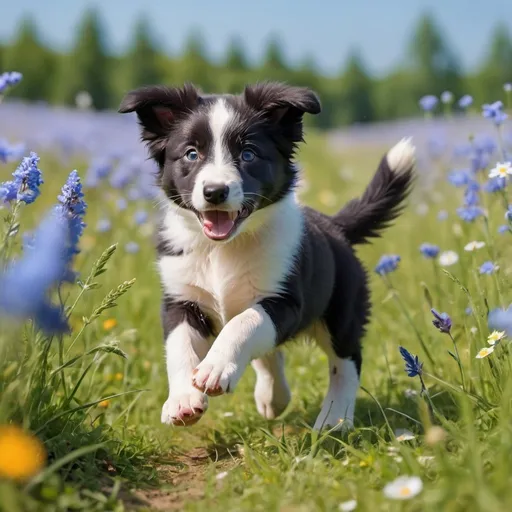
<point x="402" y="155"/>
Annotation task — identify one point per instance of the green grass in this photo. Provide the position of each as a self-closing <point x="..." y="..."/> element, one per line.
<point x="272" y="465"/>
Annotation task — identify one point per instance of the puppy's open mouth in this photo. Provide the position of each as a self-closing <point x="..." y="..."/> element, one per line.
<point x="221" y="224"/>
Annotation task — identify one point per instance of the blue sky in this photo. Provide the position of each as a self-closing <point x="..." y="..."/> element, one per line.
<point x="323" y="29"/>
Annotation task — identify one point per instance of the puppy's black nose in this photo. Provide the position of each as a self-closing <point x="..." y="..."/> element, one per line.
<point x="215" y="193"/>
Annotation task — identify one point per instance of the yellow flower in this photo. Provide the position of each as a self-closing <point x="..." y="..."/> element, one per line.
<point x="104" y="404"/>
<point x="495" y="336"/>
<point x="119" y="376"/>
<point x="109" y="324"/>
<point x="22" y="455"/>
<point x="146" y="365"/>
<point x="487" y="351"/>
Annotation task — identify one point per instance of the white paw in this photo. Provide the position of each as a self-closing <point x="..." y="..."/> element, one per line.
<point x="272" y="397"/>
<point x="216" y="377"/>
<point x="184" y="409"/>
<point x="333" y="421"/>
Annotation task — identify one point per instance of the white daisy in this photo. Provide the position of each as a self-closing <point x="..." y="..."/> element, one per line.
<point x="403" y="434"/>
<point x="448" y="258"/>
<point x="473" y="246"/>
<point x="487" y="351"/>
<point x="495" y="337"/>
<point x="501" y="170"/>
<point x="348" y="506"/>
<point x="403" y="488"/>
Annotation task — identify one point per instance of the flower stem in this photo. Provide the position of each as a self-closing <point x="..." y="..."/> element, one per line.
<point x="409" y="319"/>
<point x="11" y="223"/>
<point x="458" y="361"/>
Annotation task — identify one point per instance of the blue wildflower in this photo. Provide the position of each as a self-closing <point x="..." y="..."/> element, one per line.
<point x="413" y="367"/>
<point x="72" y="208"/>
<point x="8" y="191"/>
<point x="494" y="112"/>
<point x="131" y="247"/>
<point x="469" y="213"/>
<point x="134" y="194"/>
<point x="103" y="226"/>
<point x="72" y="196"/>
<point x="122" y="204"/>
<point x="98" y="170"/>
<point x="468" y="311"/>
<point x="140" y="217"/>
<point x="387" y="263"/>
<point x="428" y="103"/>
<point x="503" y="229"/>
<point x="488" y="268"/>
<point x="26" y="183"/>
<point x="508" y="213"/>
<point x="429" y="250"/>
<point x="459" y="178"/>
<point x="501" y="320"/>
<point x="10" y="152"/>
<point x="479" y="160"/>
<point x="471" y="197"/>
<point x="495" y="185"/>
<point x="442" y="215"/>
<point x="442" y="321"/>
<point x="25" y="283"/>
<point x="8" y="80"/>
<point x="466" y="101"/>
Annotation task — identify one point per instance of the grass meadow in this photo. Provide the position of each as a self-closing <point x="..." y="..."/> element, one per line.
<point x="92" y="398"/>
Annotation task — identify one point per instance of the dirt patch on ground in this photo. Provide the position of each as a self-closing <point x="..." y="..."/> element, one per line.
<point x="182" y="482"/>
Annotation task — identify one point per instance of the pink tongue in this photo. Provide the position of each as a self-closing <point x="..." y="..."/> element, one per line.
<point x="217" y="224"/>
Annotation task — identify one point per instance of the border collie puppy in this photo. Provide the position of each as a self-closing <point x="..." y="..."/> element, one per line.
<point x="244" y="266"/>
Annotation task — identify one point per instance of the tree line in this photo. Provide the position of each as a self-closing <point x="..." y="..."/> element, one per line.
<point x="353" y="96"/>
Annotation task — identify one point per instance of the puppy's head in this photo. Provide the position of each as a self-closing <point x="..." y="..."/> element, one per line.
<point x="223" y="158"/>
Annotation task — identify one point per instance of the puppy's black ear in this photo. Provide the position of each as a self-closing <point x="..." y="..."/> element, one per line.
<point x="283" y="104"/>
<point x="158" y="108"/>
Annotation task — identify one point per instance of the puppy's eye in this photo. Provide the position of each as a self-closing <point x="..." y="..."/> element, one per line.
<point x="247" y="155"/>
<point x="192" y="155"/>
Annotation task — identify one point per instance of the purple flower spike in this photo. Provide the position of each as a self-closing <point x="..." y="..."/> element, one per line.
<point x="442" y="321"/>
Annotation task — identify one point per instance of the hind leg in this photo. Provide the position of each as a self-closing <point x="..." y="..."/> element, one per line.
<point x="271" y="392"/>
<point x="344" y="358"/>
<point x="339" y="404"/>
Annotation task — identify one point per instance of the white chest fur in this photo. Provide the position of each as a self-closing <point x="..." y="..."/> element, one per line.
<point x="225" y="279"/>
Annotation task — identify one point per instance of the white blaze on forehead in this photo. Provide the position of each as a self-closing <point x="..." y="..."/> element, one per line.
<point x="219" y="118"/>
<point x="219" y="168"/>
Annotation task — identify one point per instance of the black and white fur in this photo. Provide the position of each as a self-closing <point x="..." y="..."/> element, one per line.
<point x="283" y="271"/>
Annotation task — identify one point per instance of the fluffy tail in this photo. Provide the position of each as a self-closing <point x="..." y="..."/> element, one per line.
<point x="382" y="201"/>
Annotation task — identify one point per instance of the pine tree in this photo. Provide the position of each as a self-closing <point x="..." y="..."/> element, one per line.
<point x="274" y="62"/>
<point x="356" y="92"/>
<point x="88" y="66"/>
<point x="141" y="61"/>
<point x="497" y="68"/>
<point x="28" y="56"/>
<point x="194" y="66"/>
<point x="436" y="66"/>
<point x="236" y="59"/>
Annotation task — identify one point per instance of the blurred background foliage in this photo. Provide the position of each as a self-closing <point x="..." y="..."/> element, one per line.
<point x="351" y="96"/>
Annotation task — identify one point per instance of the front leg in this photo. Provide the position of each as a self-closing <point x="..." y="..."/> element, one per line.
<point x="249" y="335"/>
<point x="187" y="336"/>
